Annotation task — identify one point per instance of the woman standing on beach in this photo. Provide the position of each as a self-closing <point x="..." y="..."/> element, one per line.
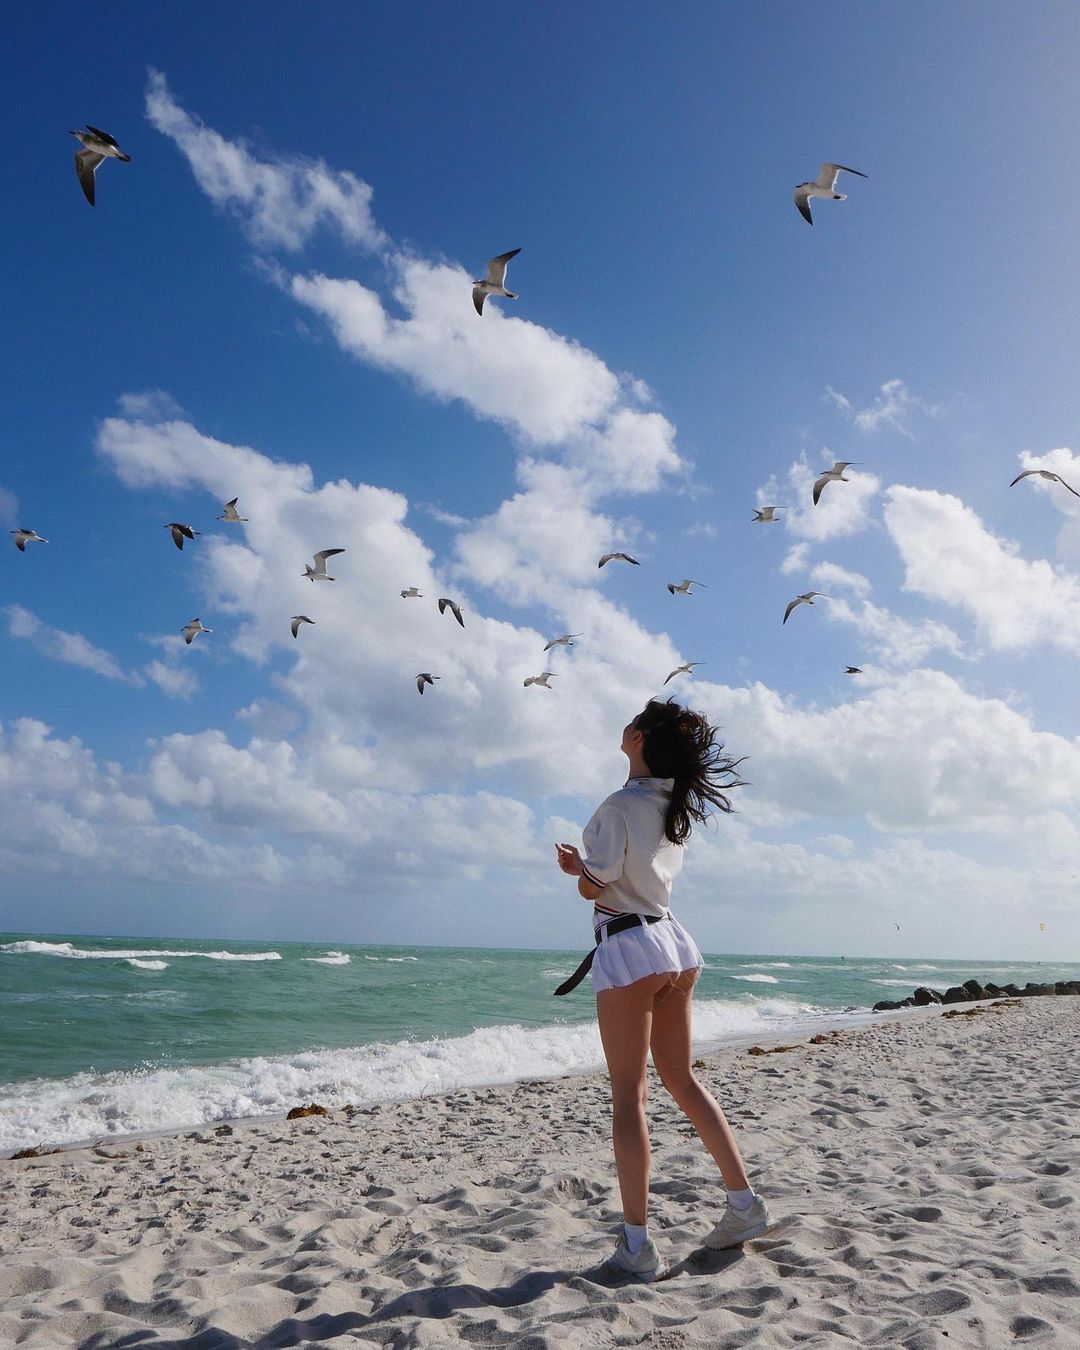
<point x="645" y="964"/>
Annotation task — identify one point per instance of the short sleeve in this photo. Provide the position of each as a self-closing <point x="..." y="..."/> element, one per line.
<point x="605" y="845"/>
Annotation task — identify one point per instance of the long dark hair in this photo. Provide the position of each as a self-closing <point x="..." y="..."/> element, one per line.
<point x="684" y="745"/>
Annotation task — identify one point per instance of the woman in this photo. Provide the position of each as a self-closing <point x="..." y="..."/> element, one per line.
<point x="645" y="964"/>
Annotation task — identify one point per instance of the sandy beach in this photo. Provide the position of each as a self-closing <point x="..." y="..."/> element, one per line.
<point x="924" y="1172"/>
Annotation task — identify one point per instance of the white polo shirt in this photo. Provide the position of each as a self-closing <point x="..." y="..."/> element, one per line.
<point x="628" y="853"/>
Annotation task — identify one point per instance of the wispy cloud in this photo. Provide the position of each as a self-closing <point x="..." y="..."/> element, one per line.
<point x="71" y="648"/>
<point x="892" y="407"/>
<point x="280" y="201"/>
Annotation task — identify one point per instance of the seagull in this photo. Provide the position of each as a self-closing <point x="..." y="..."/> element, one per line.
<point x="318" y="572"/>
<point x="684" y="670"/>
<point x="231" y="514"/>
<point x="833" y="475"/>
<point x="807" y="599"/>
<point x="766" y="516"/>
<point x="567" y="640"/>
<point x="455" y="609"/>
<point x="180" y="532"/>
<point x="297" y="620"/>
<point x="493" y="282"/>
<point x="190" y="629"/>
<point x="411" y="594"/>
<point x="99" y="147"/>
<point x="24" y="537"/>
<point x="822" y="186"/>
<point x="425" y="678"/>
<point x="617" y="557"/>
<point x="853" y="670"/>
<point x="683" y="588"/>
<point x="1044" y="473"/>
<point x="540" y="680"/>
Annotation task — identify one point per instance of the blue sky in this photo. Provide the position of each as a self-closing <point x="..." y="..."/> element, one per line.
<point x="684" y="348"/>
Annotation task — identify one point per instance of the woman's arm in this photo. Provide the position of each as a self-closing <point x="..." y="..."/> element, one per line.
<point x="570" y="862"/>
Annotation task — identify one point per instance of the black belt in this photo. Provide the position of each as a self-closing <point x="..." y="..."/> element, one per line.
<point x="605" y="930"/>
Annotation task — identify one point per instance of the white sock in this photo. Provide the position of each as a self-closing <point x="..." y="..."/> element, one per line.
<point x="741" y="1199"/>
<point x="636" y="1236"/>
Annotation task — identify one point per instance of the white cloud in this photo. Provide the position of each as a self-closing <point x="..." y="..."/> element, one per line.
<point x="9" y="509"/>
<point x="949" y="555"/>
<point x="172" y="680"/>
<point x="891" y="407"/>
<point x="71" y="648"/>
<point x="842" y="510"/>
<point x="281" y="201"/>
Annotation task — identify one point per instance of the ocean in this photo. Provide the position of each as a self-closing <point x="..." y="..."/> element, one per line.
<point x="106" y="1037"/>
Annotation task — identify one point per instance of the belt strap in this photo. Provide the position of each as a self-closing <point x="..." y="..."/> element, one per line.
<point x="605" y="930"/>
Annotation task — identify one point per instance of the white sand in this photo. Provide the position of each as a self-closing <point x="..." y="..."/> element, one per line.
<point x="925" y="1174"/>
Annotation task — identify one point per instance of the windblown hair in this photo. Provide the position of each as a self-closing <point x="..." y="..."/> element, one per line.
<point x="684" y="745"/>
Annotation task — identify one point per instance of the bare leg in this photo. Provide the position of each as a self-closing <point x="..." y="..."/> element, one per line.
<point x="670" y="1043"/>
<point x="625" y="1016"/>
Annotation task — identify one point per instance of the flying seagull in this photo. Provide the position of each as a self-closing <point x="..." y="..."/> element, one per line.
<point x="684" y="670"/>
<point x="1044" y="473"/>
<point x="567" y="640"/>
<point x="297" y="620"/>
<point x="231" y="514"/>
<point x="766" y="516"/>
<point x="180" y="532"/>
<point x="189" y="630"/>
<point x="807" y="599"/>
<point x="683" y="588"/>
<point x="24" y="537"/>
<point x="617" y="557"/>
<point x="411" y="594"/>
<point x="318" y="572"/>
<point x="823" y="185"/>
<point x="540" y="680"/>
<point x="833" y="475"/>
<point x="853" y="670"/>
<point x="425" y="678"/>
<point x="100" y="146"/>
<point x="492" y="284"/>
<point x="454" y="608"/>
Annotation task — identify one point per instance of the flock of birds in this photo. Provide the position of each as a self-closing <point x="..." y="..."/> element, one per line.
<point x="98" y="146"/>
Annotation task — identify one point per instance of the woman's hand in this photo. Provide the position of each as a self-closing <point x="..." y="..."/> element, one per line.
<point x="569" y="859"/>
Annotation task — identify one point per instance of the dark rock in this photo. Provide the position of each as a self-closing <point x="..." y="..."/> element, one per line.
<point x="886" y="1005"/>
<point x="993" y="990"/>
<point x="924" y="996"/>
<point x="974" y="989"/>
<point x="1037" y="990"/>
<point x="1011" y="989"/>
<point x="954" y="994"/>
<point x="1068" y="986"/>
<point x="908" y="1002"/>
<point x="299" y="1111"/>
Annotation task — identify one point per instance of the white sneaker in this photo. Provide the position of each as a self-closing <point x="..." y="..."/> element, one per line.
<point x="740" y="1225"/>
<point x="647" y="1266"/>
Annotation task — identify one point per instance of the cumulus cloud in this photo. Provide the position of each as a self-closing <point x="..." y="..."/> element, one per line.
<point x="950" y="556"/>
<point x="842" y="510"/>
<point x="280" y="201"/>
<point x="892" y="407"/>
<point x="172" y="680"/>
<point x="72" y="648"/>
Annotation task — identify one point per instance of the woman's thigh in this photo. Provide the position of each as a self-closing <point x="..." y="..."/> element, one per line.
<point x="625" y="1016"/>
<point x="669" y="1034"/>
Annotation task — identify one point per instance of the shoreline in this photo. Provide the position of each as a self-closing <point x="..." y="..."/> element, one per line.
<point x="841" y="1020"/>
<point x="924" y="1175"/>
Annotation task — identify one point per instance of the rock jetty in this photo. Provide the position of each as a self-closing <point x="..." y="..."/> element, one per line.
<point x="971" y="991"/>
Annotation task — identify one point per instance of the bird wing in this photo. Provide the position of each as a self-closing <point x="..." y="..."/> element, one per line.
<point x="819" y="485"/>
<point x="790" y="607"/>
<point x="802" y="201"/>
<point x="605" y="559"/>
<point x="671" y="588"/>
<point x="843" y="168"/>
<point x="478" y="298"/>
<point x="673" y="674"/>
<point x="1065" y="485"/>
<point x="553" y="643"/>
<point x="497" y="267"/>
<point x="295" y="626"/>
<point x="420" y="682"/>
<point x="178" y="536"/>
<point x="86" y="161"/>
<point x="20" y="542"/>
<point x="1025" y="474"/>
<point x="456" y="610"/>
<point x="323" y="554"/>
<point x="102" y="135"/>
<point x="627" y="558"/>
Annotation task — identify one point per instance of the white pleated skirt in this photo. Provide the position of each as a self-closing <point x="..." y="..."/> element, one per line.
<point x="651" y="949"/>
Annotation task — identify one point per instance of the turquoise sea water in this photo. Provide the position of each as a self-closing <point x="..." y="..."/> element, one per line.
<point x="111" y="1036"/>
